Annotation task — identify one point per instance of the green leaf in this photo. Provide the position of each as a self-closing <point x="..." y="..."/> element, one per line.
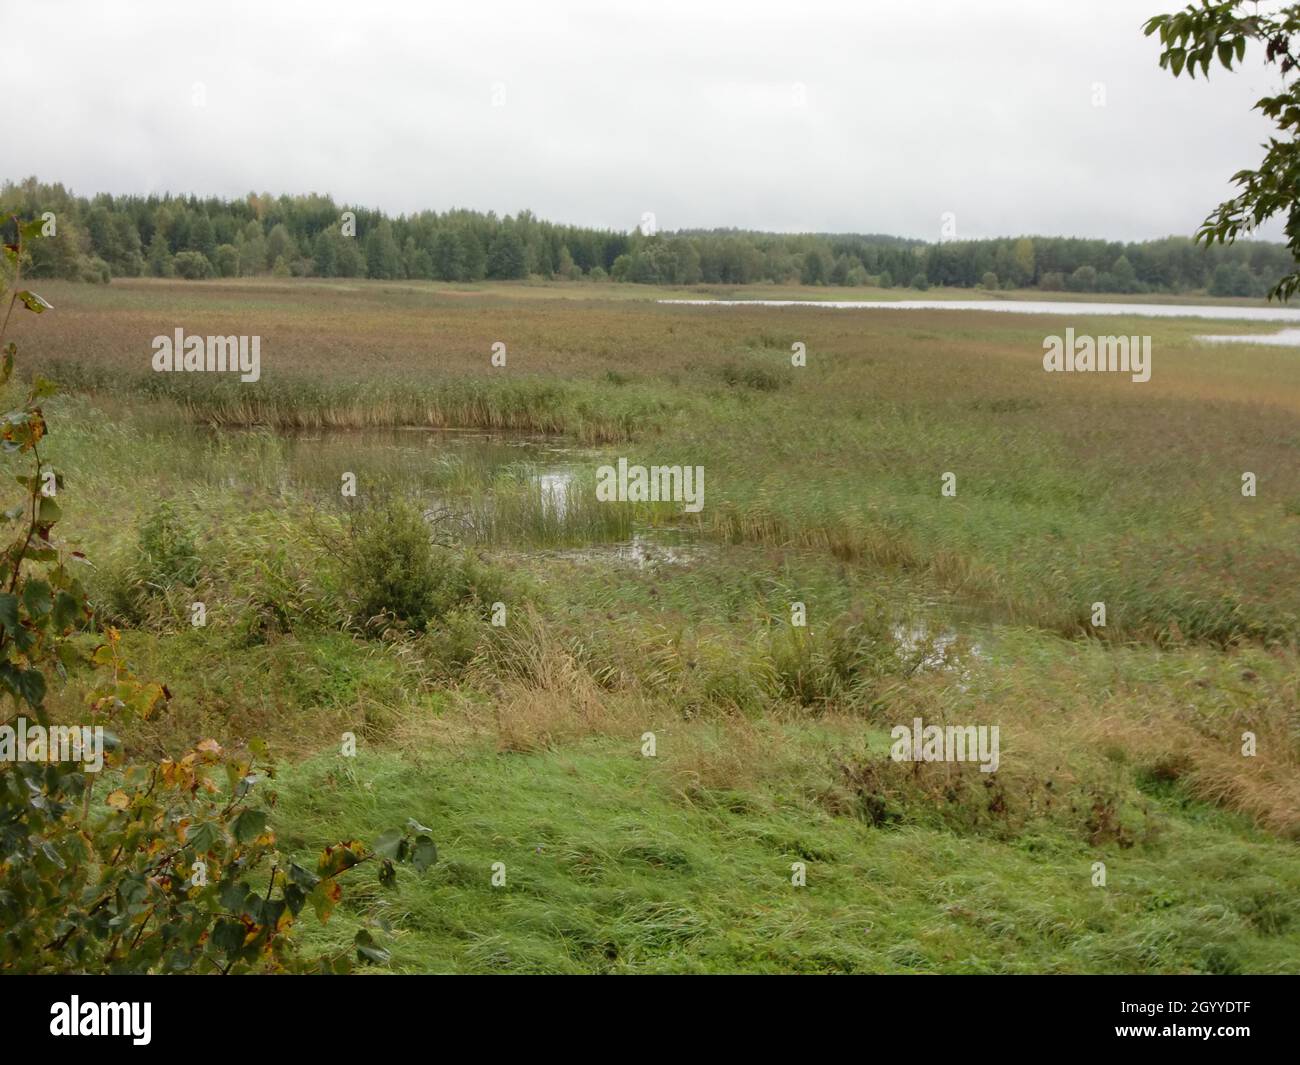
<point x="249" y="825"/>
<point x="26" y="684"/>
<point x="67" y="612"/>
<point x="228" y="935"/>
<point x="49" y="511"/>
<point x="203" y="836"/>
<point x="234" y="896"/>
<point x="9" y="614"/>
<point x="34" y="302"/>
<point x="302" y="877"/>
<point x="37" y="598"/>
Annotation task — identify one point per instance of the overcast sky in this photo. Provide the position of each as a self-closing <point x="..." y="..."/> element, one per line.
<point x="862" y="116"/>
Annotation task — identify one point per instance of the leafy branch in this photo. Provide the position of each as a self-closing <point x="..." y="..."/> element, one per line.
<point x="1196" y="37"/>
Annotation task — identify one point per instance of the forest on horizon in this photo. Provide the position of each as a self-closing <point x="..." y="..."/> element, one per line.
<point x="104" y="236"/>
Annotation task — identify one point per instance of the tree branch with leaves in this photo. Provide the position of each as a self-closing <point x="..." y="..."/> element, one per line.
<point x="1198" y="36"/>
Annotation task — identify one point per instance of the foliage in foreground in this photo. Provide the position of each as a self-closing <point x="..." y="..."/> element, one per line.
<point x="1196" y="37"/>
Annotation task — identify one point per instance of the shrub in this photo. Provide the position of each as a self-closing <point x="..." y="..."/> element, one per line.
<point x="1083" y="279"/>
<point x="397" y="575"/>
<point x="192" y="265"/>
<point x="93" y="269"/>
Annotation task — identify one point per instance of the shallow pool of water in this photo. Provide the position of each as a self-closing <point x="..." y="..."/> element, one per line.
<point x="502" y="488"/>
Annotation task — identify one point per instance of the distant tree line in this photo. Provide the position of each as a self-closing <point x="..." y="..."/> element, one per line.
<point x="106" y="236"/>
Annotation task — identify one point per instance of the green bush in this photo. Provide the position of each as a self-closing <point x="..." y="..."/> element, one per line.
<point x="398" y="577"/>
<point x="192" y="265"/>
<point x="94" y="270"/>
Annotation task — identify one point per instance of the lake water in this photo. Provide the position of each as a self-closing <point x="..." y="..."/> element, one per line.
<point x="1140" y="310"/>
<point x="1283" y="338"/>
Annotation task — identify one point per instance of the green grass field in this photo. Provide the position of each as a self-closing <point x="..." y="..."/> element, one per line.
<point x="522" y="744"/>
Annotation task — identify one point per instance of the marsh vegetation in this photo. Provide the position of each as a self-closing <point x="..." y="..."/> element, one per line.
<point x="521" y="742"/>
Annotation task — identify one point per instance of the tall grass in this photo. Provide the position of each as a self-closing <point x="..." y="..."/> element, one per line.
<point x="300" y="402"/>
